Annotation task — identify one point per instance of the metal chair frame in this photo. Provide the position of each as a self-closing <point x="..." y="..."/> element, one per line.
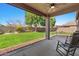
<point x="68" y="47"/>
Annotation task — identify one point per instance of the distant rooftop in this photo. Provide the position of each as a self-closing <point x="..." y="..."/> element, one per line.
<point x="70" y="23"/>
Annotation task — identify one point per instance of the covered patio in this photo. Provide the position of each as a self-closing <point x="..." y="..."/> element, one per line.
<point x="46" y="47"/>
<point x="42" y="48"/>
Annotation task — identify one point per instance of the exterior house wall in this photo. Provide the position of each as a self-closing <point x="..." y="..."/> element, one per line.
<point x="7" y="29"/>
<point x="66" y="29"/>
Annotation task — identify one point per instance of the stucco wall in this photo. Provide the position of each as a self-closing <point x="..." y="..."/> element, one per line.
<point x="66" y="29"/>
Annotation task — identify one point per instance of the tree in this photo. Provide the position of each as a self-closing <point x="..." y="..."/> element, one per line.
<point x="42" y="21"/>
<point x="29" y="18"/>
<point x="52" y="22"/>
<point x="35" y="20"/>
<point x="32" y="19"/>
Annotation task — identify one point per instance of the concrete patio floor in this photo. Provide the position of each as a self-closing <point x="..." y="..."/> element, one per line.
<point x="42" y="48"/>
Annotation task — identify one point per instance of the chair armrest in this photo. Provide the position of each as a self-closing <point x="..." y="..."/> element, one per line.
<point x="67" y="39"/>
<point x="65" y="44"/>
<point x="60" y="42"/>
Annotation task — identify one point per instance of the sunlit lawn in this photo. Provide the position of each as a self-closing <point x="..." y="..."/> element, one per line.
<point x="14" y="39"/>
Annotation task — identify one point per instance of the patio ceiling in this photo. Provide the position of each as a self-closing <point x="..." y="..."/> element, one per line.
<point x="45" y="10"/>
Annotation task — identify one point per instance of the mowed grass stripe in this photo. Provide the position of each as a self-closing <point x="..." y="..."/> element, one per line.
<point x="14" y="39"/>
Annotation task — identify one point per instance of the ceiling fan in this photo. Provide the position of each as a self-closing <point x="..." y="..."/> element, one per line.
<point x="52" y="6"/>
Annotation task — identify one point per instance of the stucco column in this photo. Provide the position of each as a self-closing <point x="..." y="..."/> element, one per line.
<point x="77" y="20"/>
<point x="47" y="27"/>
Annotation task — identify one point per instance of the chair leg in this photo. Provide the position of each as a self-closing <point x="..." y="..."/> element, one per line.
<point x="73" y="52"/>
<point x="57" y="45"/>
<point x="67" y="52"/>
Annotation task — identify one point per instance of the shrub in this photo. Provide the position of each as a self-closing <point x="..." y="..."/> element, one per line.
<point x="2" y="32"/>
<point x="29" y="28"/>
<point x="19" y="29"/>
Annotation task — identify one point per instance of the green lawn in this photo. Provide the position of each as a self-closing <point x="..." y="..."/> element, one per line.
<point x="14" y="39"/>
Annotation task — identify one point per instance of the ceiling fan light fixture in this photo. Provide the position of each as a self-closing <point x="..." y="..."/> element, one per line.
<point x="52" y="6"/>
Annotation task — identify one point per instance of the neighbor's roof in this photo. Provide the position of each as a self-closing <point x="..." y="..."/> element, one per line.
<point x="71" y="23"/>
<point x="45" y="10"/>
<point x="68" y="24"/>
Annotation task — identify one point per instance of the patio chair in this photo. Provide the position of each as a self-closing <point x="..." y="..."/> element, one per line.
<point x="69" y="46"/>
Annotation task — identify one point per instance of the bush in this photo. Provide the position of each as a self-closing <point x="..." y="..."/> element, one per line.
<point x="2" y="32"/>
<point x="39" y="29"/>
<point x="20" y="29"/>
<point x="29" y="28"/>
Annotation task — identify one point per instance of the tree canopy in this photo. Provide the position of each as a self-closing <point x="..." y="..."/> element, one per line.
<point x="35" y="20"/>
<point x="32" y="19"/>
<point x="52" y="21"/>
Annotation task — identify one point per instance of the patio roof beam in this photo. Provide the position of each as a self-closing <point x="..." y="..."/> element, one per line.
<point x="27" y="8"/>
<point x="34" y="8"/>
<point x="42" y="9"/>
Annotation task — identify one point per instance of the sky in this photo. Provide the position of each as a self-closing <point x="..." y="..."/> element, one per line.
<point x="11" y="14"/>
<point x="63" y="19"/>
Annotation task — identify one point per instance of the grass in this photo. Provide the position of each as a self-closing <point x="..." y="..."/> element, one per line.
<point x="52" y="33"/>
<point x="14" y="39"/>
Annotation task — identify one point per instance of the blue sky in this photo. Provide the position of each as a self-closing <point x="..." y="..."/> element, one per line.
<point x="63" y="19"/>
<point x="12" y="14"/>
